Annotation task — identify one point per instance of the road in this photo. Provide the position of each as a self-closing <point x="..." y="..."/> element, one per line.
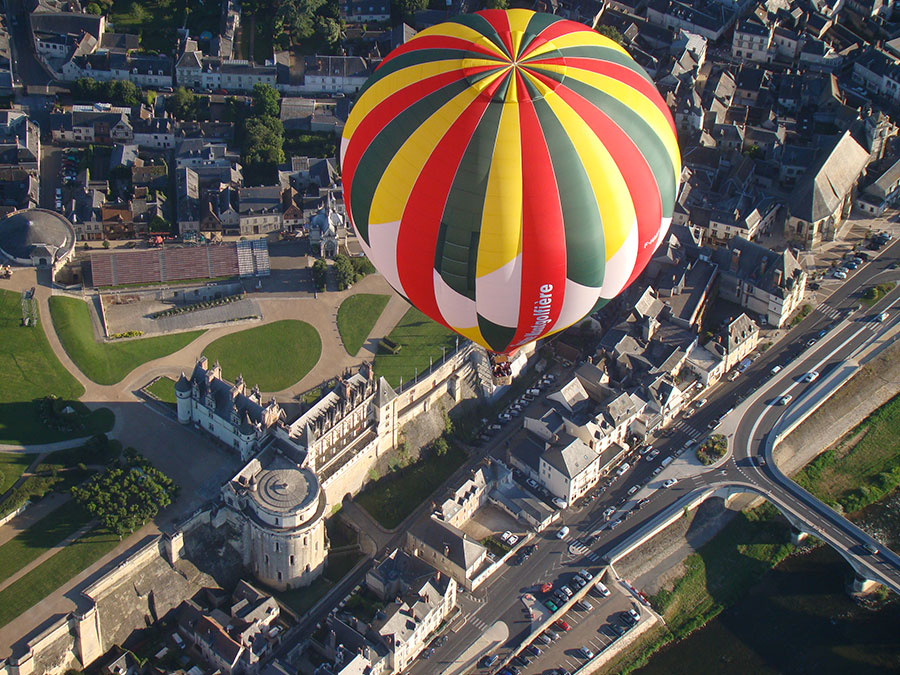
<point x="823" y="341"/>
<point x="27" y="70"/>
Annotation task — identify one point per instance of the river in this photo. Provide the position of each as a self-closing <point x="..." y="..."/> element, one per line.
<point x="798" y="619"/>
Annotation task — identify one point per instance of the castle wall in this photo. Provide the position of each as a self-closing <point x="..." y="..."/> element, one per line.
<point x="287" y="560"/>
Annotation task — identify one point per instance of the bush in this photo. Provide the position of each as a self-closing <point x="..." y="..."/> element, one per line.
<point x="126" y="334"/>
<point x="184" y="309"/>
<point x="713" y="449"/>
<point x="320" y="273"/>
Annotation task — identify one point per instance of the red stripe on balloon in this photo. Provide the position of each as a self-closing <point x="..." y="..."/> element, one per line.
<point x="617" y="72"/>
<point x="543" y="232"/>
<point x="441" y="42"/>
<point x="421" y="220"/>
<point x="385" y="111"/>
<point x="499" y="20"/>
<point x="642" y="187"/>
<point x="554" y="30"/>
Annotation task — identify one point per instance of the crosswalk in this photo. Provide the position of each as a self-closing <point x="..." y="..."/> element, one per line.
<point x="593" y="557"/>
<point x="478" y="623"/>
<point x="687" y="429"/>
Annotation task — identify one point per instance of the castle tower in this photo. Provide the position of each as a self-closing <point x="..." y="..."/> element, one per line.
<point x="183" y="394"/>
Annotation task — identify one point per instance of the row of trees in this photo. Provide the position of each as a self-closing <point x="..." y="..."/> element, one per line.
<point x="262" y="133"/>
<point x="118" y="92"/>
<point x="126" y="496"/>
<point x="300" y="21"/>
<point x="347" y="271"/>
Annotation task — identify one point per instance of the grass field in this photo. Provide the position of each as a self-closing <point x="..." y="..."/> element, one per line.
<point x="40" y="537"/>
<point x="164" y="390"/>
<point x="390" y="499"/>
<point x="107" y="363"/>
<point x="31" y="371"/>
<point x="53" y="573"/>
<point x="273" y="356"/>
<point x="357" y="316"/>
<point x="420" y="340"/>
<point x="12" y="465"/>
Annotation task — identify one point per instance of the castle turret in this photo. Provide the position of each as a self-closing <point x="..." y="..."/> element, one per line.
<point x="183" y="396"/>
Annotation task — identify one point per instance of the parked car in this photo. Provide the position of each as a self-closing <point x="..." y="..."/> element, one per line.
<point x="563" y="533"/>
<point x="622" y="469"/>
<point x="775" y="370"/>
<point x="586" y="653"/>
<point x="566" y="590"/>
<point x="602" y="589"/>
<point x="607" y="514"/>
<point x="702" y="402"/>
<point x="784" y="400"/>
<point x="584" y="606"/>
<point x="670" y="482"/>
<point x="552" y="606"/>
<point x="584" y="574"/>
<point x="532" y="483"/>
<point x="578" y="582"/>
<point x="632" y="615"/>
<point x="559" y="624"/>
<point x="560" y="503"/>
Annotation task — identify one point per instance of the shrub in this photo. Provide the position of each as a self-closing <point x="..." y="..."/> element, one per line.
<point x="713" y="449"/>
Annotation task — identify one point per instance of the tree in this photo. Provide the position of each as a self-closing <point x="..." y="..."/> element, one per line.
<point x="320" y="274"/>
<point x="440" y="446"/>
<point x="344" y="272"/>
<point x="182" y="104"/>
<point x="266" y="100"/>
<point x="263" y="140"/>
<point x="407" y="8"/>
<point x="496" y="4"/>
<point x="328" y="29"/>
<point x="93" y="8"/>
<point x="612" y="33"/>
<point x="159" y="224"/>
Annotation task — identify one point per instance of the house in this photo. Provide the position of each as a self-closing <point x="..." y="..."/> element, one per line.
<point x="449" y="550"/>
<point x="20" y="142"/>
<point x="259" y="209"/>
<point x="91" y="127"/>
<point x="824" y="196"/>
<point x="751" y="41"/>
<point x="739" y="338"/>
<point x="365" y="11"/>
<point x="878" y="73"/>
<point x="335" y="74"/>
<point x="768" y="283"/>
<point x="882" y="192"/>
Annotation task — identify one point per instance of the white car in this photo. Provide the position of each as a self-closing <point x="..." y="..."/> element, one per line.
<point x="601" y="587"/>
<point x="560" y="503"/>
<point x="670" y="482"/>
<point x="532" y="483"/>
<point x="584" y="574"/>
<point x="775" y="370"/>
<point x="701" y="402"/>
<point x="563" y="533"/>
<point x="505" y="537"/>
<point x="586" y="653"/>
<point x="811" y="376"/>
<point x="784" y="400"/>
<point x="622" y="469"/>
<point x="513" y="539"/>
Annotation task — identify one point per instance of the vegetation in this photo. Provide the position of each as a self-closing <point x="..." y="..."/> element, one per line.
<point x="32" y="372"/>
<point x="802" y="314"/>
<point x="125" y="497"/>
<point x="320" y="274"/>
<point x="422" y="342"/>
<point x="266" y="100"/>
<point x="117" y="92"/>
<point x="163" y="388"/>
<point x="183" y="104"/>
<point x="874" y="293"/>
<point x="42" y="536"/>
<point x="310" y="143"/>
<point x="357" y="316"/>
<point x="273" y="356"/>
<point x="315" y="25"/>
<point x="351" y="270"/>
<point x="126" y="334"/>
<point x="12" y="466"/>
<point x="157" y="21"/>
<point x="53" y="573"/>
<point x="713" y="449"/>
<point x="184" y="309"/>
<point x="495" y="546"/>
<point x="612" y="33"/>
<point x="392" y="498"/>
<point x="106" y="363"/>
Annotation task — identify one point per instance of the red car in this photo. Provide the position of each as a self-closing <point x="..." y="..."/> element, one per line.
<point x="547" y="587"/>
<point x="561" y="625"/>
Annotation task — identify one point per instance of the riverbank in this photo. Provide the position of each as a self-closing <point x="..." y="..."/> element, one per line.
<point x="700" y="566"/>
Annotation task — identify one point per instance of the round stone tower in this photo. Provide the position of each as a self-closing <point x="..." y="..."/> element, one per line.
<point x="183" y="396"/>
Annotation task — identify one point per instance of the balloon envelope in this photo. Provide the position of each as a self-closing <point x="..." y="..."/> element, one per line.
<point x="508" y="171"/>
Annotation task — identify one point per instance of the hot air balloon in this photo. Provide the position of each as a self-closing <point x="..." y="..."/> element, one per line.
<point x="509" y="171"/>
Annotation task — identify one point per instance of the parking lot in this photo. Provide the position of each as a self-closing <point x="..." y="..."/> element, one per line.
<point x="588" y="629"/>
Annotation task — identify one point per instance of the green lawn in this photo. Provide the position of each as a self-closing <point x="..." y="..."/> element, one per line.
<point x="31" y="371"/>
<point x="156" y="21"/>
<point x="875" y="293"/>
<point x="107" y="363"/>
<point x="390" y="499"/>
<point x="357" y="316"/>
<point x="53" y="573"/>
<point x="420" y="340"/>
<point x="164" y="390"/>
<point x="12" y="465"/>
<point x="40" y="537"/>
<point x="273" y="356"/>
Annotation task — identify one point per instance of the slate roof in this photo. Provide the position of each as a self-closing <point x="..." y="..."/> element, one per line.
<point x="450" y="541"/>
<point x="570" y="456"/>
<point x="823" y="189"/>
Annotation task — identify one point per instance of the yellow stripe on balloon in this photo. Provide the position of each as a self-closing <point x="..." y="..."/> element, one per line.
<point x="577" y="39"/>
<point x="458" y="30"/>
<point x="609" y="186"/>
<point x="501" y="219"/>
<point x="631" y="98"/>
<point x="401" y="174"/>
<point x="518" y="22"/>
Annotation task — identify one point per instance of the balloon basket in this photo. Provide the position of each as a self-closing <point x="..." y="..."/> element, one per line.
<point x="501" y="373"/>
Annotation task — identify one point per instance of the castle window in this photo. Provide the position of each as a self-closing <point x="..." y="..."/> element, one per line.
<point x="279" y="576"/>
<point x="292" y="560"/>
<point x="267" y="558"/>
<point x="276" y="547"/>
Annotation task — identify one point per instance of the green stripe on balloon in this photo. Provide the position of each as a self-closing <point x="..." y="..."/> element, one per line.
<point x="497" y="336"/>
<point x="585" y="246"/>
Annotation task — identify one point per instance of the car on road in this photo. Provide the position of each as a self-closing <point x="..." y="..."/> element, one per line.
<point x="653" y="455"/>
<point x="881" y="318"/>
<point x="775" y="370"/>
<point x="713" y="424"/>
<point x="614" y="524"/>
<point x="488" y="661"/>
<point x="641" y="503"/>
<point x="633" y="489"/>
<point x="823" y="332"/>
<point x="733" y="375"/>
<point x="670" y="482"/>
<point x="702" y="402"/>
<point x="784" y="400"/>
<point x="871" y="548"/>
<point x="586" y="653"/>
<point x="563" y="533"/>
<point x="602" y="589"/>
<point x="560" y="503"/>
<point x="811" y="342"/>
<point x="559" y="624"/>
<point x="532" y="483"/>
<point x="622" y="469"/>
<point x="811" y="376"/>
<point x="546" y="587"/>
<point x="607" y="514"/>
